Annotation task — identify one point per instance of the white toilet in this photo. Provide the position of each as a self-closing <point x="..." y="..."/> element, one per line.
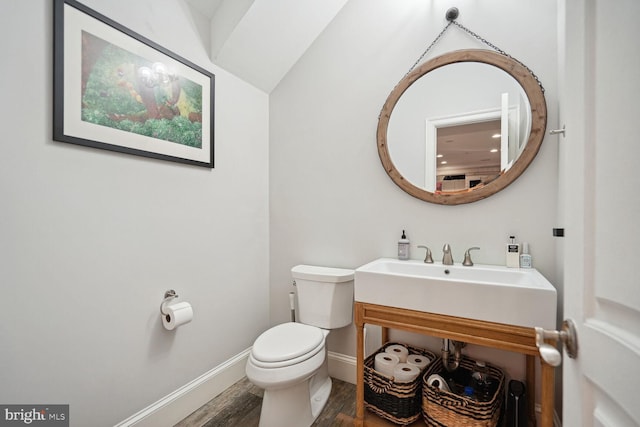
<point x="289" y="361"/>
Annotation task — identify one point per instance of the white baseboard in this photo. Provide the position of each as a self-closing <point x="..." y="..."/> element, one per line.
<point x="342" y="367"/>
<point x="179" y="404"/>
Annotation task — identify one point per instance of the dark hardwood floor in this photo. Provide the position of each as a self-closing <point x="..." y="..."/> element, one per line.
<point x="239" y="406"/>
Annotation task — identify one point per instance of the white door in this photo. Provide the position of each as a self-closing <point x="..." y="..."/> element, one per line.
<point x="600" y="187"/>
<point x="505" y="153"/>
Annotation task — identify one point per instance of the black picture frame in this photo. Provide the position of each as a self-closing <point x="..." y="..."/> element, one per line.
<point x="117" y="90"/>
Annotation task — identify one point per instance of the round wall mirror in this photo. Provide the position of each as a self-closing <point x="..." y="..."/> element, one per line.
<point x="462" y="126"/>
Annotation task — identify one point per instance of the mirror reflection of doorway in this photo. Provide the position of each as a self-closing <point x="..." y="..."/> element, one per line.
<point x="448" y="91"/>
<point x="479" y="146"/>
<point x="467" y="155"/>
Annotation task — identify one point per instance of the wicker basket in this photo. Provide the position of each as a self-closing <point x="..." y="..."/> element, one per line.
<point x="443" y="409"/>
<point x="398" y="402"/>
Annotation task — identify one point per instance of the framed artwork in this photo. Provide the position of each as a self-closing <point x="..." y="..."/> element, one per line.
<point x="116" y="90"/>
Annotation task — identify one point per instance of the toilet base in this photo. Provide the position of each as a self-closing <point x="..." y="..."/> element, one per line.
<point x="298" y="405"/>
<point x="320" y="397"/>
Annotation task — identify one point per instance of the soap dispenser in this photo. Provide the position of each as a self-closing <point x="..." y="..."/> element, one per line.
<point x="513" y="253"/>
<point x="403" y="247"/>
<point x="525" y="258"/>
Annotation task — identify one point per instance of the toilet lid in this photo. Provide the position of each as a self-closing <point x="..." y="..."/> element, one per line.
<point x="286" y="341"/>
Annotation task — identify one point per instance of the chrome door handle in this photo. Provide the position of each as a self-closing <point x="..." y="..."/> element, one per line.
<point x="568" y="336"/>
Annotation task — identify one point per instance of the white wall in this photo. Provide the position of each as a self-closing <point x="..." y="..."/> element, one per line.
<point x="331" y="201"/>
<point x="91" y="239"/>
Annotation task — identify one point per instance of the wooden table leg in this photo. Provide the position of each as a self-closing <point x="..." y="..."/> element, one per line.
<point x="548" y="394"/>
<point x="359" y="421"/>
<point x="384" y="335"/>
<point x="531" y="390"/>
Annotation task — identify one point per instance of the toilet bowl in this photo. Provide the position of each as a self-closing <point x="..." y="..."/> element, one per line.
<point x="289" y="361"/>
<point x="295" y="378"/>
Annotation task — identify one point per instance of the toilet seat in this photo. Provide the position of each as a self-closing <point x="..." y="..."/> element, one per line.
<point x="287" y="344"/>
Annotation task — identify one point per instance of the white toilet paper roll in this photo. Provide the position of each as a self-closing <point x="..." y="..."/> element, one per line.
<point x="437" y="381"/>
<point x="176" y="315"/>
<point x="399" y="350"/>
<point x="417" y="360"/>
<point x="405" y="373"/>
<point x="384" y="363"/>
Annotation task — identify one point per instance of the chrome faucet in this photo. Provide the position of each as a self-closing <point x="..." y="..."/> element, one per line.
<point x="447" y="259"/>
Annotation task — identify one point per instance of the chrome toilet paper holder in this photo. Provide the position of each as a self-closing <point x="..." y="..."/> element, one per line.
<point x="168" y="297"/>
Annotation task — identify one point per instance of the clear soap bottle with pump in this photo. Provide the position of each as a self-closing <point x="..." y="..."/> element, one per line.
<point x="525" y="258"/>
<point x="403" y="247"/>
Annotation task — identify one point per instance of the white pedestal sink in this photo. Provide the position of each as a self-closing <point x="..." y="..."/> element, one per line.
<point x="513" y="296"/>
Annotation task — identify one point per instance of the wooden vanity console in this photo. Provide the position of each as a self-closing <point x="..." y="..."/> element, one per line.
<point x="505" y="337"/>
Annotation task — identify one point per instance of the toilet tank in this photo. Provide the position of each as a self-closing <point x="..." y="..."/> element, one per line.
<point x="325" y="295"/>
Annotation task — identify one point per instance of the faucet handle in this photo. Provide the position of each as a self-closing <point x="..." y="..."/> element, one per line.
<point x="467" y="256"/>
<point x="427" y="257"/>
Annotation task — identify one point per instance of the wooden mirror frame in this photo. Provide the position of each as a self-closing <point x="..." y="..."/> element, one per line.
<point x="515" y="69"/>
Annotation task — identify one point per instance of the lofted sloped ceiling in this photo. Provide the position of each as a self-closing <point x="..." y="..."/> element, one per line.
<point x="260" y="40"/>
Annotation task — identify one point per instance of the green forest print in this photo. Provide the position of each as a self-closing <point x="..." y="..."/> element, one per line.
<point x="124" y="91"/>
